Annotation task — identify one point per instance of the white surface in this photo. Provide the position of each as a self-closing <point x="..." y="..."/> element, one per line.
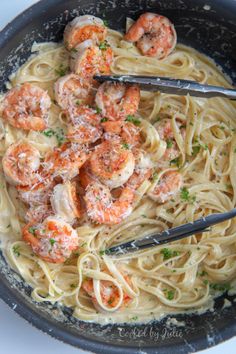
<point x="16" y="335"/>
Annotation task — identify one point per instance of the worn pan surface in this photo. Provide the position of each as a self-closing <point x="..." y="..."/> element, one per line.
<point x="209" y="26"/>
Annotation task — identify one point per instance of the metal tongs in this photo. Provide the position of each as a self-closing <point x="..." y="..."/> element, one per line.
<point x="172" y="86"/>
<point x="174" y="234"/>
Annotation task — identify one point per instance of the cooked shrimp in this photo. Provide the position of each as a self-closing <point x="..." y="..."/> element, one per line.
<point x="53" y="240"/>
<point x="142" y="171"/>
<point x="83" y="28"/>
<point x="117" y="101"/>
<point x="110" y="294"/>
<point x="128" y="132"/>
<point x="155" y="35"/>
<point x="88" y="59"/>
<point x="65" y="161"/>
<point x="65" y="201"/>
<point x="37" y="193"/>
<point x="102" y="209"/>
<point x="167" y="186"/>
<point x="26" y="107"/>
<point x="71" y="90"/>
<point x="21" y="163"/>
<point x="38" y="213"/>
<point x="112" y="162"/>
<point x="85" y="176"/>
<point x="165" y="132"/>
<point x="84" y="126"/>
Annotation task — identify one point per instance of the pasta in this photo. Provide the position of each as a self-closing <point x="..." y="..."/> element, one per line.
<point x="184" y="275"/>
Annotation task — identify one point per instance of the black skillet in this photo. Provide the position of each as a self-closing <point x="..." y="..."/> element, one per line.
<point x="207" y="25"/>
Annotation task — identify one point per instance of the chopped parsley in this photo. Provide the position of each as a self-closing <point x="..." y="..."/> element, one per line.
<point x="105" y="23"/>
<point x="98" y="110"/>
<point x="198" y="145"/>
<point x="61" y="71"/>
<point x="48" y="132"/>
<point x="74" y="50"/>
<point x="125" y="146"/>
<point x="16" y="250"/>
<point x="83" y="244"/>
<point x="234" y="150"/>
<point x="195" y="150"/>
<point x="103" y="120"/>
<point x="175" y="161"/>
<point x="203" y="273"/>
<point x="154" y="176"/>
<point x="32" y="230"/>
<point x="134" y="318"/>
<point x="52" y="241"/>
<point x="58" y="133"/>
<point x="73" y="286"/>
<point x="185" y="195"/>
<point x="169" y="143"/>
<point x="168" y="253"/>
<point x="133" y="120"/>
<point x="104" y="45"/>
<point x="170" y="294"/>
<point x="102" y="252"/>
<point x="78" y="102"/>
<point x="205" y="281"/>
<point x="220" y="287"/>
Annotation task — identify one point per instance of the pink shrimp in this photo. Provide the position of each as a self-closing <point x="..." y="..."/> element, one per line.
<point x="102" y="209"/>
<point x="71" y="91"/>
<point x="167" y="186"/>
<point x="88" y="59"/>
<point x="112" y="162"/>
<point x="65" y="161"/>
<point x="83" y="28"/>
<point x="129" y="132"/>
<point x="21" y="163"/>
<point x="117" y="101"/>
<point x="84" y="126"/>
<point x="155" y="35"/>
<point x="26" y="107"/>
<point x="53" y="240"/>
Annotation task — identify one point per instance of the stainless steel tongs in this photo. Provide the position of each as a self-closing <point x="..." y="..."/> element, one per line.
<point x="172" y="86"/>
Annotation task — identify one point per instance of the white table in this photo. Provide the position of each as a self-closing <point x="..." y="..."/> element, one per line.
<point x="16" y="335"/>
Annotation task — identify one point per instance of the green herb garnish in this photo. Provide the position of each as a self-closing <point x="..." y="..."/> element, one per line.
<point x="125" y="146"/>
<point x="48" y="133"/>
<point x="133" y="120"/>
<point x="170" y="294"/>
<point x="52" y="241"/>
<point x="105" y="23"/>
<point x="185" y="195"/>
<point x="220" y="287"/>
<point x="168" y="253"/>
<point x="103" y="120"/>
<point x="61" y="71"/>
<point x="175" y="161"/>
<point x="102" y="252"/>
<point x="32" y="230"/>
<point x="104" y="45"/>
<point x="169" y="143"/>
<point x="16" y="250"/>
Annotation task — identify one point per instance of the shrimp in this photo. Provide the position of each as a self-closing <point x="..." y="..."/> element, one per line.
<point x="83" y="28"/>
<point x="155" y="35"/>
<point x="53" y="240"/>
<point x="110" y="294"/>
<point x="88" y="59"/>
<point x="26" y="107"/>
<point x="65" y="161"/>
<point x="102" y="209"/>
<point x="165" y="132"/>
<point x="128" y="132"/>
<point x="112" y="163"/>
<point x="21" y="163"/>
<point x="142" y="170"/>
<point x="84" y="126"/>
<point x="39" y="192"/>
<point x="37" y="213"/>
<point x="70" y="90"/>
<point x="117" y="101"/>
<point x="167" y="186"/>
<point x="65" y="201"/>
